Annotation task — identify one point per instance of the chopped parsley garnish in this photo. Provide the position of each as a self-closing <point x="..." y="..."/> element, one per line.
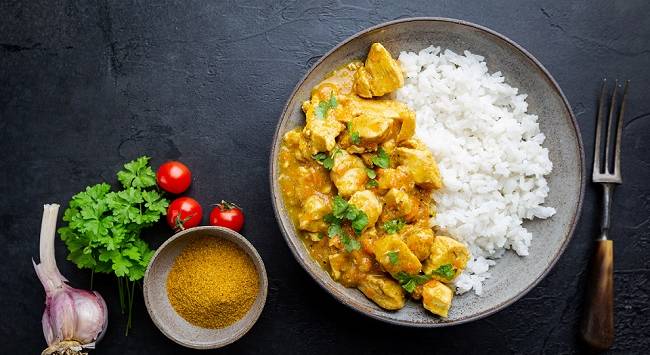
<point x="354" y="135"/>
<point x="372" y="183"/>
<point x="324" y="106"/>
<point x="371" y="173"/>
<point x="393" y="257"/>
<point x="394" y="225"/>
<point x="410" y="282"/>
<point x="382" y="159"/>
<point x="447" y="271"/>
<point x="343" y="211"/>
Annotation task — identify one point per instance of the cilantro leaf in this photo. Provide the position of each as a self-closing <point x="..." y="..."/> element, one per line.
<point x="394" y="225"/>
<point x="319" y="157"/>
<point x="393" y="256"/>
<point x="372" y="183"/>
<point x="350" y="243"/>
<point x="339" y="206"/>
<point x="334" y="229"/>
<point x="382" y="159"/>
<point x="324" y="106"/>
<point x="360" y="222"/>
<point x="325" y="160"/>
<point x="446" y="271"/>
<point x="410" y="282"/>
<point x="354" y="135"/>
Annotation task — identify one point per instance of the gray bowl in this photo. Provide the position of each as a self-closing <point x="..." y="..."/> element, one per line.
<point x="513" y="276"/>
<point x="165" y="317"/>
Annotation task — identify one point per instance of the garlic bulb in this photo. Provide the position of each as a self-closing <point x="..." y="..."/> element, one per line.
<point x="73" y="319"/>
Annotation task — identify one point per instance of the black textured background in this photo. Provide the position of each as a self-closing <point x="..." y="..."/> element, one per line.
<point x="86" y="86"/>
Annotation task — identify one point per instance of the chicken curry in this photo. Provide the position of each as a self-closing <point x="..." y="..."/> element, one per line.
<point x="357" y="185"/>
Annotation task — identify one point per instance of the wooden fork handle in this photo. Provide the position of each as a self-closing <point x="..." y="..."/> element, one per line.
<point x="598" y="322"/>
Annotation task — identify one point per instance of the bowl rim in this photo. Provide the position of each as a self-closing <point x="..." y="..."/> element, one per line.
<point x="581" y="170"/>
<point x="262" y="294"/>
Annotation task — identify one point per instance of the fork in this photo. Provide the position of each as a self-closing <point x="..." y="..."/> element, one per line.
<point x="598" y="322"/>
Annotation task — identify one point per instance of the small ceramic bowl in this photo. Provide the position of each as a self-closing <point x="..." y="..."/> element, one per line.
<point x="165" y="317"/>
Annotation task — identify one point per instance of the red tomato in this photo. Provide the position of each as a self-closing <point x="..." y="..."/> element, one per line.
<point x="227" y="215"/>
<point x="184" y="212"/>
<point x="174" y="177"/>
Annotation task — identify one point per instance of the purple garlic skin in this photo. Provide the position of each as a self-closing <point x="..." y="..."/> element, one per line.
<point x="73" y="319"/>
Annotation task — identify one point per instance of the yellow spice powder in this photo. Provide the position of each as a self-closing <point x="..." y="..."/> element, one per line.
<point x="213" y="283"/>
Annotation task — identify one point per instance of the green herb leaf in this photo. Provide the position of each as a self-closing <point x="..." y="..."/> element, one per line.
<point x="382" y="159"/>
<point x="360" y="222"/>
<point x="319" y="157"/>
<point x="324" y="106"/>
<point x="371" y="173"/>
<point x="446" y="271"/>
<point x="372" y="183"/>
<point x="138" y="174"/>
<point x="103" y="227"/>
<point x="394" y="225"/>
<point x="327" y="161"/>
<point x="354" y="137"/>
<point x="393" y="257"/>
<point x="410" y="282"/>
<point x="350" y="243"/>
<point x="339" y="206"/>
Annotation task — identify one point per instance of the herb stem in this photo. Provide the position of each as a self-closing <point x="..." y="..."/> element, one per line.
<point x="120" y="290"/>
<point x="92" y="276"/>
<point x="131" y="297"/>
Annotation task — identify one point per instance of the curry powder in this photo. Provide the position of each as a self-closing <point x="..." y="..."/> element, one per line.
<point x="212" y="283"/>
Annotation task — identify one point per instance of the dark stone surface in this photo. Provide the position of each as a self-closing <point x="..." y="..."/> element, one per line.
<point x="86" y="87"/>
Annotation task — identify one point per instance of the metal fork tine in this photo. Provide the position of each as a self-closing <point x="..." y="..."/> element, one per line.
<point x="599" y="119"/>
<point x="612" y="107"/>
<point x="619" y="132"/>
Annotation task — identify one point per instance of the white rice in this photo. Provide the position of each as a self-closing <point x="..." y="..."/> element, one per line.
<point x="489" y="151"/>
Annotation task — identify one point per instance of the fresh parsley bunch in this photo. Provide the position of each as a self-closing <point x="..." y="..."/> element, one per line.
<point x="103" y="231"/>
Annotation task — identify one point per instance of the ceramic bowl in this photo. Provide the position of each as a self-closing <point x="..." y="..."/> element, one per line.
<point x="513" y="276"/>
<point x="165" y="317"/>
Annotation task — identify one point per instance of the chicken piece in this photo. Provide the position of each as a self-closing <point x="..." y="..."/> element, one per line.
<point x="394" y="255"/>
<point x="322" y="133"/>
<point x="398" y="178"/>
<point x="446" y="251"/>
<point x="407" y="127"/>
<point x="421" y="165"/>
<point x="380" y="75"/>
<point x="385" y="292"/>
<point x="348" y="173"/>
<point x="403" y="204"/>
<point x="371" y="128"/>
<point x="340" y="79"/>
<point x="368" y="202"/>
<point x="436" y="297"/>
<point x="419" y="240"/>
<point x="314" y="209"/>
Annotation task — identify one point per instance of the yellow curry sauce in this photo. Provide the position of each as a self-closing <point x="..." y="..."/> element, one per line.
<point x="357" y="185"/>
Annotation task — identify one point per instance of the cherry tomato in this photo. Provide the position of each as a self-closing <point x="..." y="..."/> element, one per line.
<point x="184" y="212"/>
<point x="174" y="177"/>
<point x="227" y="215"/>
